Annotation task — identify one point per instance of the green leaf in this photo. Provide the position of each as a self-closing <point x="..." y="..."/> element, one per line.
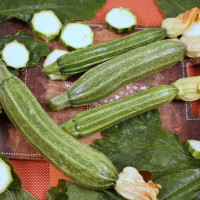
<point x="140" y="142"/>
<point x="69" y="191"/>
<point x="37" y="49"/>
<point x="16" y="195"/>
<point x="66" y="10"/>
<point x="16" y="184"/>
<point x="172" y="8"/>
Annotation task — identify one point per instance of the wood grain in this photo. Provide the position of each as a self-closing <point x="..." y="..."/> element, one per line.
<point x="177" y="116"/>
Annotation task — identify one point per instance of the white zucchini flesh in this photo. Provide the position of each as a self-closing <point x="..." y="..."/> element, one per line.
<point x="5" y="176"/>
<point x="15" y="54"/>
<point x="193" y="30"/>
<point x="46" y="25"/>
<point x="76" y="35"/>
<point x="52" y="57"/>
<point x="193" y="147"/>
<point x="121" y="20"/>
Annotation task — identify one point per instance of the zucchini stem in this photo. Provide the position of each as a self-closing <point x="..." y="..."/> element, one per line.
<point x="59" y="102"/>
<point x="4" y="72"/>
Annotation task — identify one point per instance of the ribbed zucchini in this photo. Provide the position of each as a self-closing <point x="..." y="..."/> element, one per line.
<point x="84" y="59"/>
<point x="82" y="164"/>
<point x="107" y="115"/>
<point x="106" y="78"/>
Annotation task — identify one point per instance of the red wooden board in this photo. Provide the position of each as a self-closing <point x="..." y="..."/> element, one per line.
<point x="177" y="116"/>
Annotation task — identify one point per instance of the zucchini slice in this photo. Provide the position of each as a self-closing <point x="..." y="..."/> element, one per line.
<point x="193" y="146"/>
<point x="76" y="35"/>
<point x="52" y="57"/>
<point x="46" y="25"/>
<point x="5" y="176"/>
<point x="15" y="54"/>
<point x="121" y="20"/>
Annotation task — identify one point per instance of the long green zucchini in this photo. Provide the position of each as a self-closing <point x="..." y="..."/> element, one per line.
<point x="102" y="117"/>
<point x="80" y="163"/>
<point x="84" y="59"/>
<point x="106" y="78"/>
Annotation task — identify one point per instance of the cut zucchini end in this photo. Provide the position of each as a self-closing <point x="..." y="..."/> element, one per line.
<point x="55" y="77"/>
<point x="76" y="35"/>
<point x="15" y="54"/>
<point x="121" y="20"/>
<point x="46" y="25"/>
<point x="59" y="102"/>
<point x="5" y="176"/>
<point x="193" y="146"/>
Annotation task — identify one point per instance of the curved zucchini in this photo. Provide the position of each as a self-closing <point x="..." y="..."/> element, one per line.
<point x="82" y="164"/>
<point x="83" y="59"/>
<point x="102" y="117"/>
<point x="106" y="78"/>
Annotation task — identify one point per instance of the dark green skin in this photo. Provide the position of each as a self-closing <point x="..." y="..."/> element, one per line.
<point x="82" y="164"/>
<point x="107" y="115"/>
<point x="106" y="78"/>
<point x="83" y="59"/>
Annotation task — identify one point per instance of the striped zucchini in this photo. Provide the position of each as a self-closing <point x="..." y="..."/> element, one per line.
<point x="106" y="78"/>
<point x="82" y="164"/>
<point x="84" y="59"/>
<point x="107" y="115"/>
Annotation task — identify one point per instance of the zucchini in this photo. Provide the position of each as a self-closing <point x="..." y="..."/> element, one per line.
<point x="193" y="146"/>
<point x="15" y="54"/>
<point x="83" y="59"/>
<point x="102" y="117"/>
<point x="121" y="20"/>
<point x="76" y="35"/>
<point x="82" y="164"/>
<point x="46" y="25"/>
<point x="52" y="57"/>
<point x="5" y="176"/>
<point x="106" y="78"/>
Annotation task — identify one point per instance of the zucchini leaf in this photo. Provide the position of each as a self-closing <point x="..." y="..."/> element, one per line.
<point x="14" y="190"/>
<point x="37" y="49"/>
<point x="20" y="194"/>
<point x="142" y="143"/>
<point x="69" y="191"/>
<point x="172" y="8"/>
<point x="66" y="10"/>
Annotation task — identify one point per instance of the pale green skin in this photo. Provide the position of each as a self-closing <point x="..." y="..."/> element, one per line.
<point x="106" y="78"/>
<point x="82" y="164"/>
<point x="195" y="153"/>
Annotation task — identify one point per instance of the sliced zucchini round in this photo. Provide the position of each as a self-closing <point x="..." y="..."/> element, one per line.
<point x="121" y="20"/>
<point x="76" y="35"/>
<point x="15" y="54"/>
<point x="46" y="25"/>
<point x="52" y="57"/>
<point x="193" y="146"/>
<point x="5" y="176"/>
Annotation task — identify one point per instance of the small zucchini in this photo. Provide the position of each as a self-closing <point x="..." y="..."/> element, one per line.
<point x="76" y="35"/>
<point x="83" y="59"/>
<point x="5" y="176"/>
<point x="106" y="78"/>
<point x="121" y="20"/>
<point x="102" y="117"/>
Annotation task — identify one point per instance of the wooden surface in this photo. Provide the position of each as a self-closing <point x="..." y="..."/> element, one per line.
<point x="177" y="116"/>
